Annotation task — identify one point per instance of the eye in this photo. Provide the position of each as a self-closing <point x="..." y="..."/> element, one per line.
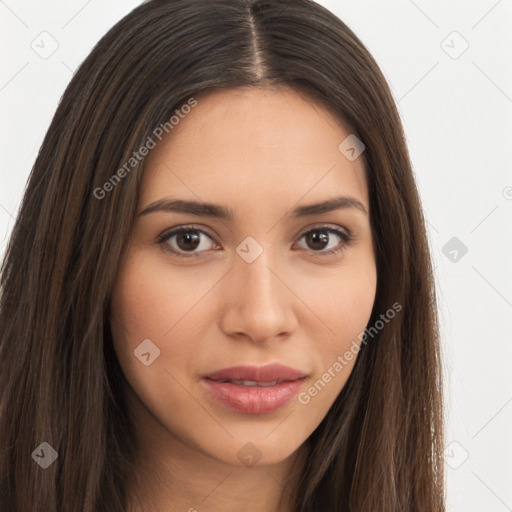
<point x="320" y="240"/>
<point x="189" y="241"/>
<point x="184" y="241"/>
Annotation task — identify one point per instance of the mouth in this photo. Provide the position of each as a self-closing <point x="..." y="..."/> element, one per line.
<point x="267" y="374"/>
<point x="251" y="382"/>
<point x="252" y="389"/>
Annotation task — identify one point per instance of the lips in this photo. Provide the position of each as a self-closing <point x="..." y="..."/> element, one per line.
<point x="253" y="389"/>
<point x="258" y="374"/>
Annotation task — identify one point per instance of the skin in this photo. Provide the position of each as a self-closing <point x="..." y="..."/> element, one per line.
<point x="260" y="152"/>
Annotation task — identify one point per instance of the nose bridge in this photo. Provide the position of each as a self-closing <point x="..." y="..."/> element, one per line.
<point x="259" y="304"/>
<point x="258" y="278"/>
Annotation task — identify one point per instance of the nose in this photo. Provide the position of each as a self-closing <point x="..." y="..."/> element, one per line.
<point x="259" y="303"/>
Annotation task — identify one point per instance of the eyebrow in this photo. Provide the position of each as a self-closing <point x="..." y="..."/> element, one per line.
<point x="220" y="212"/>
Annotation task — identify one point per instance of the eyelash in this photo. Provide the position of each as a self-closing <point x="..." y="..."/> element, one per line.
<point x="163" y="239"/>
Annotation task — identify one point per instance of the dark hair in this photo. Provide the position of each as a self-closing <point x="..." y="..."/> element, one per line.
<point x="379" y="447"/>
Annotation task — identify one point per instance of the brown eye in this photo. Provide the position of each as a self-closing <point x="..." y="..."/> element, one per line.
<point x="323" y="240"/>
<point x="317" y="240"/>
<point x="186" y="242"/>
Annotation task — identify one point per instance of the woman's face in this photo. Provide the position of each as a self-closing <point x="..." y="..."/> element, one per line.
<point x="270" y="283"/>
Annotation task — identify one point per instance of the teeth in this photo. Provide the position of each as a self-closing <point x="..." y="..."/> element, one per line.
<point x="250" y="382"/>
<point x="245" y="382"/>
<point x="273" y="383"/>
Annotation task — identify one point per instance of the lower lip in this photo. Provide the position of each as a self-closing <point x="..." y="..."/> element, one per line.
<point x="253" y="399"/>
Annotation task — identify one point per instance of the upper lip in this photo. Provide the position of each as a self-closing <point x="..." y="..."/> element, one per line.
<point x="266" y="373"/>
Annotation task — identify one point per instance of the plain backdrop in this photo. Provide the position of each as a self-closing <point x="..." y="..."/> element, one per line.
<point x="449" y="65"/>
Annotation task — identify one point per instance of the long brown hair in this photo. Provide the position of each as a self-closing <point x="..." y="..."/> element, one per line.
<point x="379" y="447"/>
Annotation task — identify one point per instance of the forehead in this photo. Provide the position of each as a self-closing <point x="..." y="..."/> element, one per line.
<point x="258" y="143"/>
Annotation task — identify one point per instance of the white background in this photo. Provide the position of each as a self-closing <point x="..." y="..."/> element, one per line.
<point x="457" y="114"/>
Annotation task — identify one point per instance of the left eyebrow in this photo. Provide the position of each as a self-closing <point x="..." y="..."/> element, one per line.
<point x="337" y="203"/>
<point x="220" y="212"/>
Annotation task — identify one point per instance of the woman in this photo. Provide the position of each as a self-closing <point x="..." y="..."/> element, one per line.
<point x="218" y="291"/>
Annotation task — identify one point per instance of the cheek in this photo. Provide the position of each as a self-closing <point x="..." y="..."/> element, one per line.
<point x="150" y="301"/>
<point x="137" y="314"/>
<point x="170" y="307"/>
<point x="342" y="303"/>
<point x="342" y="299"/>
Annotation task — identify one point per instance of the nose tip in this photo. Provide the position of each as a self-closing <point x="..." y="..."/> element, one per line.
<point x="258" y="304"/>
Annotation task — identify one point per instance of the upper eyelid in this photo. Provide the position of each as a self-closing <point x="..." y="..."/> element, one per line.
<point x="327" y="227"/>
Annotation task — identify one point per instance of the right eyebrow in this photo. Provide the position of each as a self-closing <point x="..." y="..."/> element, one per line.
<point x="192" y="207"/>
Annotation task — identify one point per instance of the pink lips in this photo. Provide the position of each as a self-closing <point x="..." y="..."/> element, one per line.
<point x="266" y="388"/>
